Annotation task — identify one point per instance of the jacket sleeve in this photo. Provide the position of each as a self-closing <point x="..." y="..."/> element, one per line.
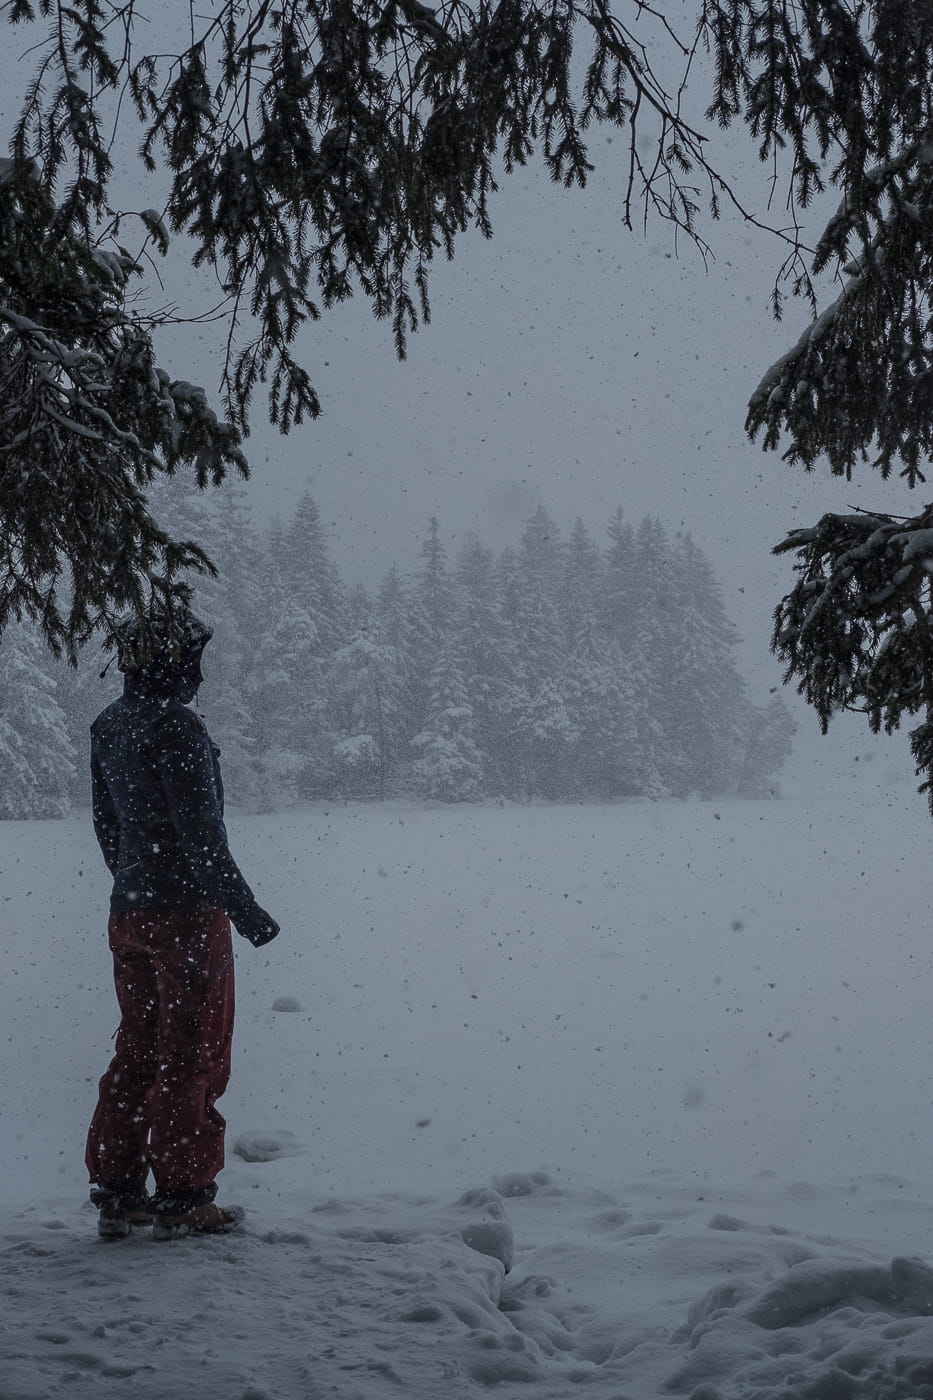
<point x="186" y="761"/>
<point x="106" y="826"/>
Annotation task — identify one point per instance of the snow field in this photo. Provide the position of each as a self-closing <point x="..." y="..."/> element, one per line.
<point x="671" y="1061"/>
<point x="717" y="988"/>
<point x="629" y="1292"/>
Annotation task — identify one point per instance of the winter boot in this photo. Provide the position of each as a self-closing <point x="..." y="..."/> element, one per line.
<point x="119" y="1211"/>
<point x="182" y="1213"/>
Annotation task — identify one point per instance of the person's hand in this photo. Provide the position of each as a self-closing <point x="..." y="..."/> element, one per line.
<point x="259" y="928"/>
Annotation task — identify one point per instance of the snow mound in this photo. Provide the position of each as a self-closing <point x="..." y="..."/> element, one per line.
<point x="479" y="1218"/>
<point x="488" y="1231"/>
<point x="636" y="1292"/>
<point x="267" y="1146"/>
<point x="832" y="1331"/>
<point x="523" y="1183"/>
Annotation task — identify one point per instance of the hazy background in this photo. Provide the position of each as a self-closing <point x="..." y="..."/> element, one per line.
<point x="569" y="363"/>
<point x="574" y="364"/>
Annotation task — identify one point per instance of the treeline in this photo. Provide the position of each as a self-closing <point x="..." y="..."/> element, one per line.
<point x="557" y="669"/>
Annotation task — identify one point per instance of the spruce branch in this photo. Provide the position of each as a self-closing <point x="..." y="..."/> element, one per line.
<point x="856" y="631"/>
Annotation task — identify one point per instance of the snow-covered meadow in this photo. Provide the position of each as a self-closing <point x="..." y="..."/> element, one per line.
<point x="670" y="1062"/>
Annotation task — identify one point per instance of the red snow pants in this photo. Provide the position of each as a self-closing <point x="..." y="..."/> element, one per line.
<point x="173" y="972"/>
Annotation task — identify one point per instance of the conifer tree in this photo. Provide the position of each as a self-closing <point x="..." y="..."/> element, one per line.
<point x="536" y="614"/>
<point x="648" y="650"/>
<point x="83" y="691"/>
<point x="234" y="605"/>
<point x="431" y="617"/>
<point x="392" y="627"/>
<point x="298" y="622"/>
<point x="283" y="682"/>
<point x="37" y="757"/>
<point x="620" y="582"/>
<point x="448" y="765"/>
<point x="308" y="572"/>
<point x="541" y="557"/>
<point x="768" y="743"/>
<point x="601" y="690"/>
<point x="581" y="588"/>
<point x="485" y="645"/>
<point x="432" y="596"/>
<point x="597" y="682"/>
<point x="359" y="611"/>
<point x="366" y="689"/>
<point x="392" y="610"/>
<point x="540" y="735"/>
<point x="228" y="601"/>
<point x="708" y="712"/>
<point x="508" y="731"/>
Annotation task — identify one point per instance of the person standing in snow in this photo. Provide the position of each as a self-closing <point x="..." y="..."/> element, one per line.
<point x="158" y="817"/>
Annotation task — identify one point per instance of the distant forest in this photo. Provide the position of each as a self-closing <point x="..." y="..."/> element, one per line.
<point x="557" y="669"/>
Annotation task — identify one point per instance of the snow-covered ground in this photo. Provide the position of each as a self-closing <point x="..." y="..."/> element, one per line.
<point x="671" y="1063"/>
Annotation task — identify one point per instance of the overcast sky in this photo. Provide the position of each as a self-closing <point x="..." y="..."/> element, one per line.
<point x="569" y="363"/>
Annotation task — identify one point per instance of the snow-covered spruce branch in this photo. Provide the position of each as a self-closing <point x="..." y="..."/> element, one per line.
<point x="71" y="358"/>
<point x="856" y="631"/>
<point x="364" y="140"/>
<point x="89" y="420"/>
<point x="875" y="334"/>
<point x="80" y="379"/>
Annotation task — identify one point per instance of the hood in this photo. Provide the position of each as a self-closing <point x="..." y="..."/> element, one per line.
<point x="160" y="656"/>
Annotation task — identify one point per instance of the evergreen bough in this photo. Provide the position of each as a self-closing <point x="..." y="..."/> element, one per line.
<point x="87" y="421"/>
<point x="857" y="629"/>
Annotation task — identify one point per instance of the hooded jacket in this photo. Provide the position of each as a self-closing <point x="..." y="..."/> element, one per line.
<point x="158" y="800"/>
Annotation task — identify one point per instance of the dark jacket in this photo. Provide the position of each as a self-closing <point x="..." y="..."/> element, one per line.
<point x="158" y="809"/>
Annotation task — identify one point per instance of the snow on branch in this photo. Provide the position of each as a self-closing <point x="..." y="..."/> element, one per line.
<point x="856" y="631"/>
<point x="87" y="421"/>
